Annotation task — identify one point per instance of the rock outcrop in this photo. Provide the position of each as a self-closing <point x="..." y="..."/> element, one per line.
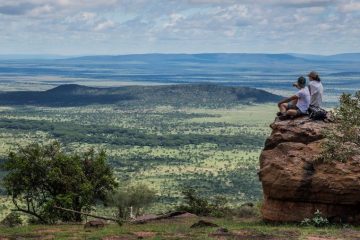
<point x="295" y="185"/>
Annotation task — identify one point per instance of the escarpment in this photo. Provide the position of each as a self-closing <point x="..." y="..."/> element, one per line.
<point x="295" y="184"/>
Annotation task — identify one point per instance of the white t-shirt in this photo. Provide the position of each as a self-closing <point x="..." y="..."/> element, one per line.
<point x="303" y="102"/>
<point x="316" y="91"/>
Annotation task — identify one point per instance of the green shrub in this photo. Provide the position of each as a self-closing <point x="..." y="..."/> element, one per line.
<point x="318" y="220"/>
<point x="245" y="211"/>
<point x="343" y="139"/>
<point x="137" y="198"/>
<point x="196" y="204"/>
<point x="12" y="220"/>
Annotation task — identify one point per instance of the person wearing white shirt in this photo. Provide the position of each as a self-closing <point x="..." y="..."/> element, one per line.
<point x="297" y="104"/>
<point x="316" y="89"/>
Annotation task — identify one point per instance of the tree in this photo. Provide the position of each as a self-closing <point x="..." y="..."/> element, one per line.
<point x="343" y="140"/>
<point x="137" y="197"/>
<point x="203" y="206"/>
<point x="42" y="176"/>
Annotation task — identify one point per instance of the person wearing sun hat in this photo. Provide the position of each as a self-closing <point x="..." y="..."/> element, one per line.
<point x="297" y="104"/>
<point x="316" y="89"/>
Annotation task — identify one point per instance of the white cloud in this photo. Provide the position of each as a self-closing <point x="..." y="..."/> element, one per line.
<point x="174" y="19"/>
<point x="105" y="25"/>
<point x="41" y="10"/>
<point x="196" y="25"/>
<point x="351" y="6"/>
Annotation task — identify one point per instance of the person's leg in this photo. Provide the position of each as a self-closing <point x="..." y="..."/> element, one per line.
<point x="284" y="107"/>
<point x="288" y="110"/>
<point x="291" y="108"/>
<point x="292" y="112"/>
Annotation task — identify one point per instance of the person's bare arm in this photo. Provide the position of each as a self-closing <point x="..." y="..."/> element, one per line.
<point x="286" y="100"/>
<point x="296" y="85"/>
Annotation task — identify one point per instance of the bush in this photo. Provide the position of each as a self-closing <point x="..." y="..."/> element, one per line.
<point x="343" y="140"/>
<point x="136" y="198"/>
<point x="317" y="220"/>
<point x="12" y="220"/>
<point x="245" y="211"/>
<point x="196" y="204"/>
<point x="40" y="177"/>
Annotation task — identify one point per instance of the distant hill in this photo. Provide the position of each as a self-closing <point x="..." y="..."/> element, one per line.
<point x="343" y="57"/>
<point x="351" y="57"/>
<point x="30" y="56"/>
<point x="224" y="58"/>
<point x="195" y="58"/>
<point x="175" y="95"/>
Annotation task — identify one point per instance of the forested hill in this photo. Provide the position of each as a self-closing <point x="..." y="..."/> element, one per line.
<point x="175" y="95"/>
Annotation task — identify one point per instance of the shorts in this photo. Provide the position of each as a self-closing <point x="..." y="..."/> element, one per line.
<point x="292" y="106"/>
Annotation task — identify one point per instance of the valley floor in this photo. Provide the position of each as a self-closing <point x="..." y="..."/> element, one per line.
<point x="215" y="150"/>
<point x="180" y="229"/>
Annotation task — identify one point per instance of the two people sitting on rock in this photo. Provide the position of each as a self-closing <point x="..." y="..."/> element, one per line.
<point x="306" y="97"/>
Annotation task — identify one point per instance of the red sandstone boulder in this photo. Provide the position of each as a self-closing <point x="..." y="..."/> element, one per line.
<point x="295" y="185"/>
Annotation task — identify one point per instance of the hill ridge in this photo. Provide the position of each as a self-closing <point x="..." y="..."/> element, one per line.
<point x="173" y="95"/>
<point x="222" y="57"/>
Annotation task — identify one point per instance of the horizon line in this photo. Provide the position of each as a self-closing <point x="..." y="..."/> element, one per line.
<point x="49" y="55"/>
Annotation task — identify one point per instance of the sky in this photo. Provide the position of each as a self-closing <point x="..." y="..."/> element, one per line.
<point x="94" y="27"/>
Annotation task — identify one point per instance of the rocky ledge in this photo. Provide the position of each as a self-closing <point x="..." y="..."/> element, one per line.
<point x="295" y="184"/>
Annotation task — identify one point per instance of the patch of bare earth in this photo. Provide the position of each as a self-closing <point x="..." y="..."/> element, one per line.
<point x="142" y="235"/>
<point x="252" y="235"/>
<point x="322" y="238"/>
<point x="25" y="236"/>
<point x="47" y="230"/>
<point x="351" y="234"/>
<point x="47" y="237"/>
<point x="135" y="235"/>
<point x="177" y="236"/>
<point x="122" y="237"/>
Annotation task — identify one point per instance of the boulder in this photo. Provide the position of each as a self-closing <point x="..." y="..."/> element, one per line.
<point x="94" y="224"/>
<point x="295" y="184"/>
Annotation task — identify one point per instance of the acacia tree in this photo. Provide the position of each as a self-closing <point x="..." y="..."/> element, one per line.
<point x="41" y="177"/>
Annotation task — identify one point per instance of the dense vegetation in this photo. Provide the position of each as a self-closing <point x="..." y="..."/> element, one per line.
<point x="214" y="150"/>
<point x="125" y="137"/>
<point x="168" y="147"/>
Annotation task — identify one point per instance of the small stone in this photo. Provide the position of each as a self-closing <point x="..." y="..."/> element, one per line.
<point x="203" y="223"/>
<point x="222" y="230"/>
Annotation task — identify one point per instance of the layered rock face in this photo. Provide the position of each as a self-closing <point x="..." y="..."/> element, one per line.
<point x="295" y="185"/>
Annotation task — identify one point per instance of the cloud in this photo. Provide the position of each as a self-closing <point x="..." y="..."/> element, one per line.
<point x="174" y="25"/>
<point x="351" y="6"/>
<point x="174" y="20"/>
<point x="17" y="8"/>
<point x="304" y="3"/>
<point x="105" y="25"/>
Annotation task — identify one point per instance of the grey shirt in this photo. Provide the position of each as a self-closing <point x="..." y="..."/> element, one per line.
<point x="316" y="91"/>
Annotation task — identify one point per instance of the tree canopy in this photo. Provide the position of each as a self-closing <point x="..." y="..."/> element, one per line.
<point x="40" y="177"/>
